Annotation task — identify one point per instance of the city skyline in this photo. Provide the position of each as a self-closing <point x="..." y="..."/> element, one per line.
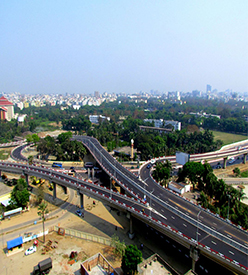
<point x="123" y="47"/>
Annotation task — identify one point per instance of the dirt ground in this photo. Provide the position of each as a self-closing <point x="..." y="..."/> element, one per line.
<point x="60" y="256"/>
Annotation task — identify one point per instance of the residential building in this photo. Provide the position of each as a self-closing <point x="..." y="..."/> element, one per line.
<point x="6" y="109"/>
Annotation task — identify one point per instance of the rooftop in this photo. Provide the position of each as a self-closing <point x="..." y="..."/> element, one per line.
<point x="4" y="189"/>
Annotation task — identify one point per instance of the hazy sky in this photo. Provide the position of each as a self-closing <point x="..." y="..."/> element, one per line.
<point x="123" y="46"/>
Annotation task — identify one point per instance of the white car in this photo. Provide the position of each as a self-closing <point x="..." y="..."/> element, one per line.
<point x="30" y="250"/>
<point x="231" y="160"/>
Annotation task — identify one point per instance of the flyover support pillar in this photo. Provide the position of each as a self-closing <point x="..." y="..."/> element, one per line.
<point x="88" y="173"/>
<point x="244" y="160"/>
<point x="81" y="201"/>
<point x="65" y="189"/>
<point x="54" y="190"/>
<point x="224" y="162"/>
<point x="194" y="254"/>
<point x="93" y="173"/>
<point x="130" y="233"/>
<point x="26" y="175"/>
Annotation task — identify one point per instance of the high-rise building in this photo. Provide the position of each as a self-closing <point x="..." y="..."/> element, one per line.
<point x="97" y="94"/>
<point x="209" y="88"/>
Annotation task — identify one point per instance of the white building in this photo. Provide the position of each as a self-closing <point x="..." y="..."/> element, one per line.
<point x="160" y="123"/>
<point x="179" y="187"/>
<point x="95" y="118"/>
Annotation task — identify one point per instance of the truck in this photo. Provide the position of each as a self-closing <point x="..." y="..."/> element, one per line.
<point x="43" y="267"/>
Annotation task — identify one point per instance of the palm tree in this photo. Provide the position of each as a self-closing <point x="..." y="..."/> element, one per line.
<point x="42" y="211"/>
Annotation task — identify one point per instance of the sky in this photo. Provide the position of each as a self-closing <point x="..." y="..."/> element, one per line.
<point x="123" y="46"/>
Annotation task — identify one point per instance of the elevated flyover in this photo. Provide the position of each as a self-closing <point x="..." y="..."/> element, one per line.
<point x="188" y="224"/>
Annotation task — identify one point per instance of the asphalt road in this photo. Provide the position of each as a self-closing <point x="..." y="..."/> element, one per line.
<point x="169" y="208"/>
<point x="184" y="214"/>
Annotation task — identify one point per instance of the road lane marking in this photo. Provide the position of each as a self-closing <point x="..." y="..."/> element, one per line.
<point x="186" y="209"/>
<point x="231" y="252"/>
<point x="173" y="217"/>
<point x="184" y="225"/>
<point x="228" y="233"/>
<point x="213" y="242"/>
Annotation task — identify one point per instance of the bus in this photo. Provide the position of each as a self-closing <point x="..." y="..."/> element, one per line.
<point x="57" y="165"/>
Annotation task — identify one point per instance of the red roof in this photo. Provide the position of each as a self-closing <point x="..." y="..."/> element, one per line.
<point x="3" y="108"/>
<point x="4" y="101"/>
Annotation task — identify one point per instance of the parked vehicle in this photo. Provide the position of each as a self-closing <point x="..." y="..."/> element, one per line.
<point x="79" y="213"/>
<point x="43" y="267"/>
<point x="30" y="250"/>
<point x="231" y="160"/>
<point x="57" y="165"/>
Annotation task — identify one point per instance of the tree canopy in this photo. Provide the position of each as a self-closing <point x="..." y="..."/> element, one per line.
<point x="20" y="194"/>
<point x="131" y="259"/>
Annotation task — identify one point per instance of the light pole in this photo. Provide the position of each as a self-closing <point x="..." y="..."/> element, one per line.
<point x="198" y="216"/>
<point x="151" y="203"/>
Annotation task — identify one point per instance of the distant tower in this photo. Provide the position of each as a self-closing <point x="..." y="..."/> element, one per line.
<point x="209" y="88"/>
<point x="97" y="94"/>
<point x="132" y="142"/>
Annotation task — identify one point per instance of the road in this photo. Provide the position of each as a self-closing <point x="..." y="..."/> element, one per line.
<point x="174" y="210"/>
<point x="163" y="209"/>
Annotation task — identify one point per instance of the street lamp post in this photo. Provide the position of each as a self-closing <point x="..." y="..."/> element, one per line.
<point x="198" y="216"/>
<point x="151" y="203"/>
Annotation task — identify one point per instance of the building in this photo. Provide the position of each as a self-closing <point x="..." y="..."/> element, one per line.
<point x="97" y="95"/>
<point x="208" y="88"/>
<point x="97" y="264"/>
<point x="160" y="123"/>
<point x="5" y="194"/>
<point x="179" y="187"/>
<point x="6" y="109"/>
<point x="155" y="265"/>
<point x="96" y="118"/>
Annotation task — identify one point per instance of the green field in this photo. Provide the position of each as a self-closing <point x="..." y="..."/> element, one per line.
<point x="5" y="153"/>
<point x="228" y="138"/>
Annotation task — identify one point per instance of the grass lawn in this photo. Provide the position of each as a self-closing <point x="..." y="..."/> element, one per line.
<point x="228" y="138"/>
<point x="244" y="174"/>
<point x="5" y="153"/>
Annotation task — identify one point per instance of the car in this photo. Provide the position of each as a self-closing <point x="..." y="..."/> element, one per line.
<point x="30" y="250"/>
<point x="72" y="168"/>
<point x="89" y="165"/>
<point x="148" y="166"/>
<point x="231" y="160"/>
<point x="79" y="213"/>
<point x="218" y="166"/>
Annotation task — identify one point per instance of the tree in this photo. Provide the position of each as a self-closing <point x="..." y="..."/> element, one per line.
<point x="236" y="172"/>
<point x="193" y="170"/>
<point x="20" y="194"/>
<point x="162" y="171"/>
<point x="42" y="211"/>
<point x="119" y="247"/>
<point x="131" y="259"/>
<point x="30" y="159"/>
<point x="40" y="193"/>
